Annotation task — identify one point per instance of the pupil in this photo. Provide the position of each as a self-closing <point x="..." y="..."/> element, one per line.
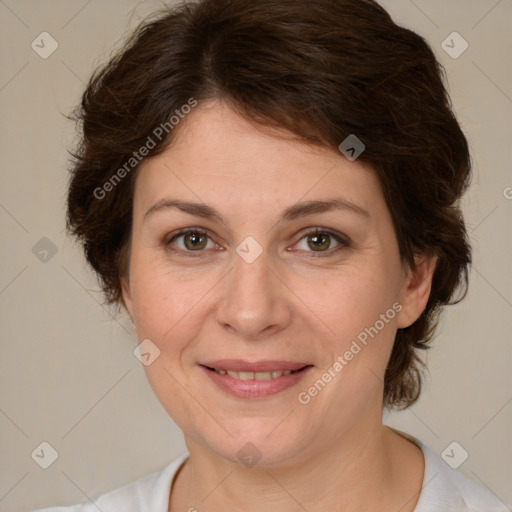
<point x="194" y="241"/>
<point x="319" y="242"/>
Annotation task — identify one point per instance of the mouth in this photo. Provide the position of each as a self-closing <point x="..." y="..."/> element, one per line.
<point x="243" y="375"/>
<point x="254" y="380"/>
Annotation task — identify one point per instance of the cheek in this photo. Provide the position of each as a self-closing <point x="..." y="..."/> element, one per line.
<point x="170" y="311"/>
<point x="358" y="309"/>
<point x="161" y="297"/>
<point x="350" y="300"/>
<point x="360" y="314"/>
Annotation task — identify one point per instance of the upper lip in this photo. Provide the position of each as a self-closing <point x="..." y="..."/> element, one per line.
<point x="238" y="365"/>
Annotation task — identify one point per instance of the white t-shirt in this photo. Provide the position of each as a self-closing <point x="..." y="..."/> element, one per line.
<point x="443" y="490"/>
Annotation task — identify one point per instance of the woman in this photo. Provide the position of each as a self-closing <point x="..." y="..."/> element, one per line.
<point x="271" y="190"/>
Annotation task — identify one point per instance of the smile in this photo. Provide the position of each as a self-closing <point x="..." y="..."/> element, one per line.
<point x="273" y="374"/>
<point x="247" y="384"/>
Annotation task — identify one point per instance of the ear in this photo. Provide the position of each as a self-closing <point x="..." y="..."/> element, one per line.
<point x="127" y="295"/>
<point x="416" y="290"/>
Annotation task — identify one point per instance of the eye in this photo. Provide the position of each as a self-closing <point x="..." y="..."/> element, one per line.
<point x="191" y="240"/>
<point x="317" y="240"/>
<point x="321" y="241"/>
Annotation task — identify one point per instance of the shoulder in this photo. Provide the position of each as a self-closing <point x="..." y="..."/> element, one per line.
<point x="445" y="488"/>
<point x="150" y="492"/>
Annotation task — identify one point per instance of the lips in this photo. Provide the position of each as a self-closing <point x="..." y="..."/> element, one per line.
<point x="273" y="374"/>
<point x="261" y="379"/>
<point x="238" y="365"/>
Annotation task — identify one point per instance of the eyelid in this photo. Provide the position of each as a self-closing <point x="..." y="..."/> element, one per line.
<point x="185" y="231"/>
<point x="342" y="240"/>
<point x="168" y="241"/>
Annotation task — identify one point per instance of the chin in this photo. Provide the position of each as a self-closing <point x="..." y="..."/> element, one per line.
<point x="257" y="445"/>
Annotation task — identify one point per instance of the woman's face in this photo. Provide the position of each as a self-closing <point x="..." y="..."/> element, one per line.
<point x="251" y="287"/>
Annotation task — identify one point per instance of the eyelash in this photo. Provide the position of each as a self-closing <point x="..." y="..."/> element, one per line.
<point x="343" y="243"/>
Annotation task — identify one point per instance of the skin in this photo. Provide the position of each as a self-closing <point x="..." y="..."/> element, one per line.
<point x="292" y="303"/>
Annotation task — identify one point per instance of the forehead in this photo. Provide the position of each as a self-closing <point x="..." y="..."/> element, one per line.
<point x="220" y="156"/>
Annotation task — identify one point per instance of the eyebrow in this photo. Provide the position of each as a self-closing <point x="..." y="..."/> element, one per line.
<point x="291" y="213"/>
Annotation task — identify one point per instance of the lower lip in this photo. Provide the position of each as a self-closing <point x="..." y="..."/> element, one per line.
<point x="255" y="388"/>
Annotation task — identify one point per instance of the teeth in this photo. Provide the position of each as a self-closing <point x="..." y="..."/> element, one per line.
<point x="274" y="374"/>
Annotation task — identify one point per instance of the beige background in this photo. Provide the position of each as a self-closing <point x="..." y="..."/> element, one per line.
<point x="68" y="374"/>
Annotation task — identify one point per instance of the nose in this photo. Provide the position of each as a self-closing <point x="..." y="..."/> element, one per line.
<point x="254" y="303"/>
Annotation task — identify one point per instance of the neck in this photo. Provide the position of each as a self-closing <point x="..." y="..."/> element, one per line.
<point x="371" y="470"/>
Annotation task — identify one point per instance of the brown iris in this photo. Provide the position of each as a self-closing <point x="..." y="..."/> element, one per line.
<point x="319" y="241"/>
<point x="195" y="241"/>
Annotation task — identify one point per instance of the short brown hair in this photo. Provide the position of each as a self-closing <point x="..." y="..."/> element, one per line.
<point x="321" y="70"/>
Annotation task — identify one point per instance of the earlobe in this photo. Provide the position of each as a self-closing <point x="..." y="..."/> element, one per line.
<point x="416" y="290"/>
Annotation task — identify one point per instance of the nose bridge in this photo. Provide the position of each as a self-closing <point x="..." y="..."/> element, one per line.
<point x="253" y="300"/>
